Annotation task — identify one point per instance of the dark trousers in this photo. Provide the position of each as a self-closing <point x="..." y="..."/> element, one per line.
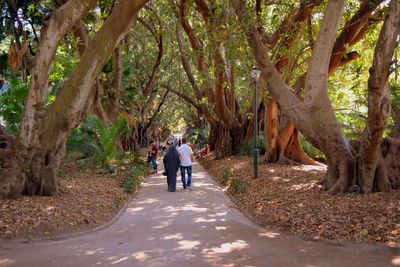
<point x="189" y="172"/>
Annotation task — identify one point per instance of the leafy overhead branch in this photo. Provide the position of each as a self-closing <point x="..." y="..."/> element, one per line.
<point x="183" y="96"/>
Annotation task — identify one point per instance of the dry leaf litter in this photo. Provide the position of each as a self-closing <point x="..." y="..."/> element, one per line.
<point x="91" y="199"/>
<point x="289" y="198"/>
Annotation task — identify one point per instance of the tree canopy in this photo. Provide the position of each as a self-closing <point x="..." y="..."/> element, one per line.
<point x="329" y="81"/>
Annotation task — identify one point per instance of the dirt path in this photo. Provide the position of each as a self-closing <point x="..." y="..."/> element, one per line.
<point x="188" y="228"/>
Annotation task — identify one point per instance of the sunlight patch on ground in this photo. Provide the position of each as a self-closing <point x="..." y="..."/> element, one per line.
<point x="277" y="178"/>
<point x="197" y="174"/>
<point x="132" y="210"/>
<point x="197" y="220"/>
<point x="268" y="234"/>
<point x="90" y="252"/>
<point x="309" y="168"/>
<point x="303" y="186"/>
<point x="185" y="208"/>
<point x="173" y="236"/>
<point x="140" y="256"/>
<point x="200" y="184"/>
<point x="162" y="225"/>
<point x="229" y="247"/>
<point x="396" y="260"/>
<point x="187" y="244"/>
<point x="219" y="228"/>
<point x="97" y="251"/>
<point x="6" y="261"/>
<point x="120" y="260"/>
<point x="149" y="201"/>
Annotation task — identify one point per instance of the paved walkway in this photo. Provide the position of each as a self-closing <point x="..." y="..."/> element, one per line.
<point x="188" y="228"/>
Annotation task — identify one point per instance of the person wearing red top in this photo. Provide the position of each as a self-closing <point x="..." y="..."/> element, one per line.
<point x="204" y="151"/>
<point x="153" y="156"/>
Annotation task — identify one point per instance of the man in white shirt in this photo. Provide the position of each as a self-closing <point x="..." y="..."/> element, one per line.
<point x="186" y="156"/>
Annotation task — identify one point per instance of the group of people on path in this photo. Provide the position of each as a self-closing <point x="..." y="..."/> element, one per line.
<point x="175" y="159"/>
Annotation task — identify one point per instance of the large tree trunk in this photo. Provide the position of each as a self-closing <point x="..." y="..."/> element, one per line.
<point x="221" y="97"/>
<point x="61" y="118"/>
<point x="348" y="165"/>
<point x="97" y="108"/>
<point x="353" y="31"/>
<point x="12" y="177"/>
<point x="71" y="106"/>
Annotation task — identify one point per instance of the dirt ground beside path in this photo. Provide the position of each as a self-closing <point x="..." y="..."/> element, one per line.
<point x="92" y="197"/>
<point x="288" y="198"/>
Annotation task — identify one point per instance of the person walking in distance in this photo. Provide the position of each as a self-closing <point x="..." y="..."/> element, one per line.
<point x="186" y="157"/>
<point x="153" y="156"/>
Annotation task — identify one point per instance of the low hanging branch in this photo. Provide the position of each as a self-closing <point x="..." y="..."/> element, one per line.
<point x="183" y="96"/>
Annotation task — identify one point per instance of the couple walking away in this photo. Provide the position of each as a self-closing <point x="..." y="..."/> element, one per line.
<point x="175" y="158"/>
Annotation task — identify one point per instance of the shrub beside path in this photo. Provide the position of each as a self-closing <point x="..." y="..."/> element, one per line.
<point x="189" y="228"/>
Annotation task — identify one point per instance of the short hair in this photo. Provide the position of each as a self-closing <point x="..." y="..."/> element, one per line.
<point x="184" y="140"/>
<point x="151" y="142"/>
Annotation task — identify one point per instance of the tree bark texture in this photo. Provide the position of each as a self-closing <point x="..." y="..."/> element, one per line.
<point x="12" y="178"/>
<point x="348" y="164"/>
<point x="353" y="31"/>
<point x="220" y="94"/>
<point x="69" y="108"/>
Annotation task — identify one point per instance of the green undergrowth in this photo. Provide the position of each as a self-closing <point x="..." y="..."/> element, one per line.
<point x="238" y="185"/>
<point x="247" y="148"/>
<point x="134" y="176"/>
<point x="129" y="168"/>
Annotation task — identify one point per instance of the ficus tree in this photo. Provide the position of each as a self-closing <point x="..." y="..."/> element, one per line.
<point x="32" y="165"/>
<point x="371" y="163"/>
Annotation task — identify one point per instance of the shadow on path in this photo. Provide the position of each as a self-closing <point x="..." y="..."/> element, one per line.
<point x="189" y="228"/>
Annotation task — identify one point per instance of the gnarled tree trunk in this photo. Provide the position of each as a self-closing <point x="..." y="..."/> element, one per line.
<point x="278" y="134"/>
<point x="70" y="107"/>
<point x="348" y="165"/>
<point x="13" y="177"/>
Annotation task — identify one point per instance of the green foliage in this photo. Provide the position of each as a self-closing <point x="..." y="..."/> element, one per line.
<point x="134" y="176"/>
<point x="225" y="174"/>
<point x="198" y="136"/>
<point x="94" y="138"/>
<point x="247" y="148"/>
<point x="395" y="101"/>
<point x="12" y="105"/>
<point x="63" y="64"/>
<point x="82" y="141"/>
<point x="239" y="185"/>
<point x="311" y="150"/>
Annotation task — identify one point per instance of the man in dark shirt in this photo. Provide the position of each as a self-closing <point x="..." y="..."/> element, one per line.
<point x="153" y="156"/>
